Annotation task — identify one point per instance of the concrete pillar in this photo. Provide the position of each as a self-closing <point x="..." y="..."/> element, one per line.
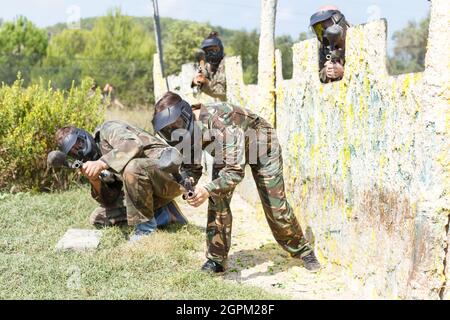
<point x="266" y="60"/>
<point x="159" y="82"/>
<point x="430" y="276"/>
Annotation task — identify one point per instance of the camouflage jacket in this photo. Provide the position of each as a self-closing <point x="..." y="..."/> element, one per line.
<point x="217" y="86"/>
<point x="120" y="142"/>
<point x="227" y="137"/>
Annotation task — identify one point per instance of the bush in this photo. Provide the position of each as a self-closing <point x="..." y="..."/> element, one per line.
<point x="29" y="119"/>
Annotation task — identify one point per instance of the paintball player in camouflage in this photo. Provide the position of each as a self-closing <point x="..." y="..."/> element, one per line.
<point x="330" y="27"/>
<point x="131" y="154"/>
<point x="234" y="136"/>
<point x="211" y="80"/>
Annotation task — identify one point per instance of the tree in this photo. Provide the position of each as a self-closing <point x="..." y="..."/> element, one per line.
<point x="120" y="52"/>
<point x="22" y="46"/>
<point x="284" y="44"/>
<point x="410" y="48"/>
<point x="182" y="40"/>
<point x="246" y="45"/>
<point x="62" y="65"/>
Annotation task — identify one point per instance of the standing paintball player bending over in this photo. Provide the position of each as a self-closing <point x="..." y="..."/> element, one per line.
<point x="230" y="134"/>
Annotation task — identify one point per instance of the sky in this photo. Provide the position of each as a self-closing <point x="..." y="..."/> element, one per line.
<point x="292" y="15"/>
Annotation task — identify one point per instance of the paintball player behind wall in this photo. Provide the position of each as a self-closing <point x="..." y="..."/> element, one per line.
<point x="130" y="153"/>
<point x="330" y="24"/>
<point x="234" y="136"/>
<point x="211" y="76"/>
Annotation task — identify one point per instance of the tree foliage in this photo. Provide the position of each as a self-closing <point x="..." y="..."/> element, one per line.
<point x="410" y="48"/>
<point x="181" y="42"/>
<point x="118" y="49"/>
<point x="284" y="44"/>
<point x="22" y="46"/>
<point x="30" y="117"/>
<point x="120" y="52"/>
<point x="246" y="45"/>
<point x="62" y="65"/>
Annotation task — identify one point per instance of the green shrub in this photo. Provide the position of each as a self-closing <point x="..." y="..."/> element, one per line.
<point x="29" y="119"/>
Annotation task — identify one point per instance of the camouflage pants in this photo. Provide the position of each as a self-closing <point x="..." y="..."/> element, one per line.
<point x="107" y="217"/>
<point x="268" y="176"/>
<point x="146" y="189"/>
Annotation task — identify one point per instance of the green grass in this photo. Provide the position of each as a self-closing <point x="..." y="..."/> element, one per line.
<point x="164" y="266"/>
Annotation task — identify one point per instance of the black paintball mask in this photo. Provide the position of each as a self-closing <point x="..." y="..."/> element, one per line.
<point x="86" y="148"/>
<point x="213" y="57"/>
<point x="329" y="26"/>
<point x="178" y="117"/>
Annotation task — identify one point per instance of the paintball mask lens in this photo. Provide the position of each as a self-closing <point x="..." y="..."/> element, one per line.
<point x="318" y="30"/>
<point x="80" y="145"/>
<point x="79" y="148"/>
<point x="176" y="117"/>
<point x="68" y="142"/>
<point x="166" y="133"/>
<point x="213" y="57"/>
<point x="213" y="54"/>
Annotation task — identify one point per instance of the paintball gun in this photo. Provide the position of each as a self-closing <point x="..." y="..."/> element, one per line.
<point x="169" y="162"/>
<point x="334" y="35"/>
<point x="200" y="57"/>
<point x="58" y="159"/>
<point x="186" y="182"/>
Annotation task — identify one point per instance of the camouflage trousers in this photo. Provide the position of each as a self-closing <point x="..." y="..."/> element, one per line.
<point x="268" y="176"/>
<point x="146" y="189"/>
<point x="117" y="216"/>
<point x="109" y="216"/>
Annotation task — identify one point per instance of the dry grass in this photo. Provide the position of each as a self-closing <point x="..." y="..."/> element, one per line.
<point x="138" y="116"/>
<point x="163" y="266"/>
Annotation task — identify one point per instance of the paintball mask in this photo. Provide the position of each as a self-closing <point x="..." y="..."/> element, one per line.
<point x="87" y="149"/>
<point x="327" y="24"/>
<point x="176" y="117"/>
<point x="213" y="57"/>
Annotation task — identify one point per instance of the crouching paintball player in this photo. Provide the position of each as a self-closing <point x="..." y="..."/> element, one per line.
<point x="136" y="192"/>
<point x="234" y="137"/>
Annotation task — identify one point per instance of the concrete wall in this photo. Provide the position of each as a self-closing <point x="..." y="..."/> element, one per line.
<point x="366" y="158"/>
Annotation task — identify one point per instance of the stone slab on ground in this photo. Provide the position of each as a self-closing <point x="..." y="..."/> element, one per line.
<point x="79" y="240"/>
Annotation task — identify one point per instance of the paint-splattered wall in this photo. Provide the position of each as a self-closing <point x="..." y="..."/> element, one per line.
<point x="366" y="158"/>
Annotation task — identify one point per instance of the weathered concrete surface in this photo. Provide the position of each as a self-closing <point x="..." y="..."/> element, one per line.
<point x="180" y="83"/>
<point x="434" y="145"/>
<point x="266" y="69"/>
<point x="367" y="159"/>
<point x="159" y="82"/>
<point x="79" y="240"/>
<point x="348" y="167"/>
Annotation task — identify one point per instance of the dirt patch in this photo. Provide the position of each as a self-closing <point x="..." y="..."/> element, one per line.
<point x="256" y="259"/>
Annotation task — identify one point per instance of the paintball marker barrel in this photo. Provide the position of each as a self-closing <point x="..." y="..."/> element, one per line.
<point x="170" y="161"/>
<point x="200" y="58"/>
<point x="186" y="182"/>
<point x="58" y="159"/>
<point x="200" y="55"/>
<point x="334" y="35"/>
